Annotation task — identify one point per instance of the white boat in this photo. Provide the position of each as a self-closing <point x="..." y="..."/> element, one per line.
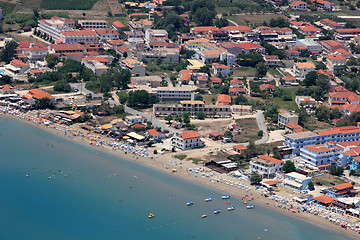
<point x="231" y="208"/>
<point x="189" y="203"/>
<point x="204" y="216"/>
<point x="250" y="206"/>
<point x="217" y="211"/>
<point x="225" y="196"/>
<point x="208" y="199"/>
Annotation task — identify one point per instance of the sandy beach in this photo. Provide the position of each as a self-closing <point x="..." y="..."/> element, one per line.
<point x="191" y="172"/>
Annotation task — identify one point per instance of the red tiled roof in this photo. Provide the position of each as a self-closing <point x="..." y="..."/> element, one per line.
<point x="343" y="186"/>
<point x="271" y="159"/>
<point x="336" y="57"/>
<point x="190" y="134"/>
<point x="204" y="29"/>
<point x="237" y="28"/>
<point x="38" y="93"/>
<point x="138" y="125"/>
<point x="237" y="90"/>
<point x="118" y="24"/>
<point x="215" y="80"/>
<point x="271" y="183"/>
<point x="325" y="199"/>
<point x="153" y="132"/>
<point x="79" y="33"/>
<point x="239" y="146"/>
<point x="249" y="45"/>
<point x="68" y="47"/>
<point x="293" y="125"/>
<point x="26" y="44"/>
<point x="18" y="63"/>
<point x="122" y="49"/>
<point x="223" y="98"/>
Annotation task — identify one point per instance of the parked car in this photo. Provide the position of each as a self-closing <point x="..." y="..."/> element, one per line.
<point x="319" y="183"/>
<point x="332" y="183"/>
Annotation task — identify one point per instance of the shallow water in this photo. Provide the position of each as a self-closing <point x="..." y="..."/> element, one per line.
<point x="93" y="203"/>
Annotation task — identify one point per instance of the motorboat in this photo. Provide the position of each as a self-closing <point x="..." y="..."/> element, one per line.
<point x="250" y="206"/>
<point x="226" y="196"/>
<point x="204" y="216"/>
<point x="217" y="211"/>
<point x="231" y="208"/>
<point x="151" y="215"/>
<point x="208" y="199"/>
<point x="226" y="202"/>
<point x="189" y="203"/>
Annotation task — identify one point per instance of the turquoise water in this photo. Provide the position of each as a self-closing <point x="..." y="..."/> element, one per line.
<point x="93" y="203"/>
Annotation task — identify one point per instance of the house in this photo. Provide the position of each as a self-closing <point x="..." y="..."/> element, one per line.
<point x="323" y="200"/>
<point x="223" y="99"/>
<point x="346" y="33"/>
<point x="312" y="46"/>
<point x="39" y="94"/>
<point x="7" y="89"/>
<point x="156" y="35"/>
<point x="236" y="91"/>
<point x="267" y="87"/>
<point x="216" y="136"/>
<point x="331" y="24"/>
<point x="234" y="127"/>
<point x="55" y="26"/>
<point x="107" y="34"/>
<point x="320" y="154"/>
<point x="289" y="81"/>
<point x="177" y="125"/>
<point x="136" y="67"/>
<point x="323" y="4"/>
<point x="272" y="60"/>
<point x="221" y="69"/>
<point x="134" y="119"/>
<point x="305" y="102"/>
<point x="122" y="50"/>
<point x="79" y="36"/>
<point x="293" y="128"/>
<point x="296" y="181"/>
<point x="152" y="81"/>
<point x="330" y="46"/>
<point x="341" y="190"/>
<point x="215" y="81"/>
<point x="292" y="53"/>
<point x="187" y="140"/>
<point x="250" y="47"/>
<point x="17" y="66"/>
<point x="335" y="61"/>
<point x="185" y="76"/>
<point x="174" y="94"/>
<point x="340" y="98"/>
<point x="153" y="134"/>
<point x="303" y="68"/>
<point x="96" y="66"/>
<point x="286" y="117"/>
<point x="266" y="166"/>
<point x="118" y="26"/>
<point x="242" y="109"/>
<point x="298" y="6"/>
<point x="309" y="30"/>
<point x="239" y="148"/>
<point x="34" y="52"/>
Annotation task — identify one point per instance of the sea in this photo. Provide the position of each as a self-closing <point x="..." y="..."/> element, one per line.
<point x="54" y="188"/>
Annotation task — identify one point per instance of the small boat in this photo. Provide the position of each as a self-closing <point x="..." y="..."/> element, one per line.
<point x="231" y="208"/>
<point x="250" y="206"/>
<point x="225" y="196"/>
<point x="151" y="215"/>
<point x="244" y="202"/>
<point x="208" y="199"/>
<point x="226" y="202"/>
<point x="189" y="203"/>
<point x="204" y="216"/>
<point x="217" y="211"/>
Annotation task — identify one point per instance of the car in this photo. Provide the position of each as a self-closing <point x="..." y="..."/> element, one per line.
<point x="319" y="183"/>
<point x="332" y="183"/>
<point x="31" y="36"/>
<point x="75" y="89"/>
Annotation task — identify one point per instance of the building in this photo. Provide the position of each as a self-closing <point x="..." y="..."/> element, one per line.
<point x="96" y="66"/>
<point x="134" y="119"/>
<point x="136" y="67"/>
<point x="266" y="166"/>
<point x="156" y="35"/>
<point x="321" y="154"/>
<point x="293" y="128"/>
<point x="55" y="26"/>
<point x="331" y="46"/>
<point x="338" y="134"/>
<point x="39" y="94"/>
<point x="174" y="94"/>
<point x="346" y="33"/>
<point x="7" y="89"/>
<point x="153" y="134"/>
<point x="267" y="87"/>
<point x="236" y="91"/>
<point x="335" y="61"/>
<point x="323" y="200"/>
<point x="305" y="101"/>
<point x="298" y="6"/>
<point x="107" y="34"/>
<point x="118" y="26"/>
<point x="272" y="60"/>
<point x="289" y="81"/>
<point x="187" y="140"/>
<point x="79" y="36"/>
<point x="287" y="117"/>
<point x="296" y="181"/>
<point x="312" y="46"/>
<point x="152" y="81"/>
<point x="223" y="99"/>
<point x="221" y="69"/>
<point x="342" y="98"/>
<point x="92" y="24"/>
<point x="331" y="24"/>
<point x="164" y="54"/>
<point x="17" y="67"/>
<point x="35" y="52"/>
<point x="303" y="68"/>
<point x="192" y="108"/>
<point x="341" y="190"/>
<point x="242" y="109"/>
<point x="239" y="148"/>
<point x="67" y="48"/>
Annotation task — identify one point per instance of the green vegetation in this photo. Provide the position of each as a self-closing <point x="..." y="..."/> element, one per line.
<point x="8" y="52"/>
<point x="244" y="72"/>
<point x="289" y="166"/>
<point x="62" y="86"/>
<point x="180" y="157"/>
<point x="255" y="179"/>
<point x="68" y="4"/>
<point x="44" y="103"/>
<point x="141" y="99"/>
<point x="7" y="7"/>
<point x="285" y="99"/>
<point x="334" y="170"/>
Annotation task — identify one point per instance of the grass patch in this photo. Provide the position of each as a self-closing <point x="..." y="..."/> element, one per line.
<point x="208" y="98"/>
<point x="244" y="72"/>
<point x="274" y="72"/>
<point x="255" y="19"/>
<point x="195" y="160"/>
<point x="68" y="4"/>
<point x="313" y="124"/>
<point x="338" y="180"/>
<point x="181" y="156"/>
<point x="278" y="101"/>
<point x="7" y="7"/>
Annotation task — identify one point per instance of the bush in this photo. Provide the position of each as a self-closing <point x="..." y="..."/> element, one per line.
<point x="155" y="151"/>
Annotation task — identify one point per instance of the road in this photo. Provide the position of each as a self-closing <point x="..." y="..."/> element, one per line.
<point x="82" y="89"/>
<point x="259" y="115"/>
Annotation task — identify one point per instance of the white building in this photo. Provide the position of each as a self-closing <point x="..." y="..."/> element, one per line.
<point x="303" y="68"/>
<point x="305" y="101"/>
<point x="221" y="69"/>
<point x="54" y="26"/>
<point x="287" y="117"/>
<point x="136" y="67"/>
<point x="156" y="34"/>
<point x="187" y="140"/>
<point x="107" y="34"/>
<point x="97" y="67"/>
<point x="79" y="36"/>
<point x="266" y="166"/>
<point x="35" y="53"/>
<point x="166" y="94"/>
<point x="134" y="119"/>
<point x="93" y="24"/>
<point x="296" y="181"/>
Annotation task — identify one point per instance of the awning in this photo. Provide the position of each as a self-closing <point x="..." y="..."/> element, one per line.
<point x="136" y="136"/>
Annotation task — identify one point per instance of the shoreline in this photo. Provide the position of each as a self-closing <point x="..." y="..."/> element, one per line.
<point x="167" y="163"/>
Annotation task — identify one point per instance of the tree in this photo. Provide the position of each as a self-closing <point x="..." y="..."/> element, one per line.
<point x="320" y="65"/>
<point x="311" y="186"/>
<point x="228" y="134"/>
<point x="255" y="179"/>
<point x="261" y="70"/>
<point x="140" y="98"/>
<point x="289" y="166"/>
<point x="260" y="133"/>
<point x="250" y="59"/>
<point x="168" y="119"/>
<point x="224" y="89"/>
<point x="44" y="103"/>
<point x="240" y="100"/>
<point x="5" y="79"/>
<point x="199" y="98"/>
<point x="200" y="115"/>
<point x="8" y="52"/>
<point x="186" y="118"/>
<point x="62" y="86"/>
<point x="52" y="60"/>
<point x="123" y="97"/>
<point x="310" y="79"/>
<point x="221" y="22"/>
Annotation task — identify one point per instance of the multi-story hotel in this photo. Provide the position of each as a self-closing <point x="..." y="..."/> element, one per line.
<point x="55" y="26"/>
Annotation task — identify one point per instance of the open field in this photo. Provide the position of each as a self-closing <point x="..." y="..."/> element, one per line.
<point x="278" y="101"/>
<point x="244" y="72"/>
<point x="249" y="130"/>
<point x="68" y="4"/>
<point x="274" y="72"/>
<point x="254" y="19"/>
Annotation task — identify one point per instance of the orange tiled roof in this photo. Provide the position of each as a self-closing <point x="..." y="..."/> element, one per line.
<point x="224" y="98"/>
<point x="271" y="159"/>
<point x="241" y="147"/>
<point x="343" y="186"/>
<point x="189" y="134"/>
<point x="38" y="93"/>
